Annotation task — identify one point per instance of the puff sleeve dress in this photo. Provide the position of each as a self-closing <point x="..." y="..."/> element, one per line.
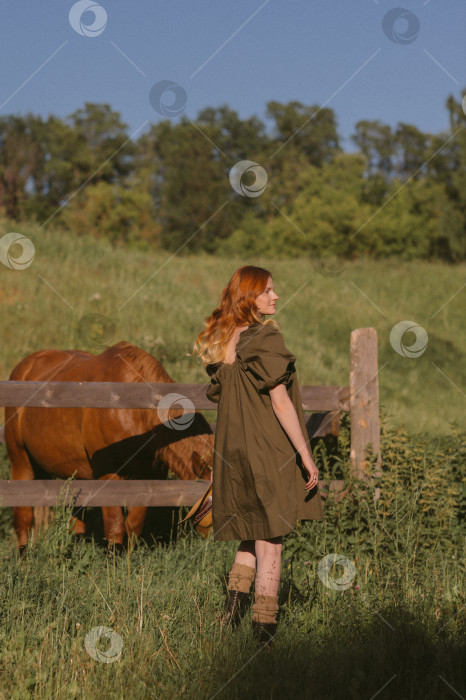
<point x="258" y="485"/>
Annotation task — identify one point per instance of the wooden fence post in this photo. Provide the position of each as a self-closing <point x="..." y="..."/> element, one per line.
<point x="364" y="400"/>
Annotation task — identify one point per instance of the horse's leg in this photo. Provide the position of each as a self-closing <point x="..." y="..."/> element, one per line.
<point x="114" y="522"/>
<point x="21" y="469"/>
<point x="23" y="517"/>
<point x="43" y="516"/>
<point x="77" y="525"/>
<point x="114" y="525"/>
<point x="135" y="522"/>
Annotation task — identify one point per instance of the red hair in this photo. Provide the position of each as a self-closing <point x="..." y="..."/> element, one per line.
<point x="237" y="308"/>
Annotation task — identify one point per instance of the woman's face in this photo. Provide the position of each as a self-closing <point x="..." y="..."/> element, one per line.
<point x="266" y="301"/>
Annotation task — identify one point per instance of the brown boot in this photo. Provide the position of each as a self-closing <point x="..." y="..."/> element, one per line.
<point x="238" y="598"/>
<point x="236" y="605"/>
<point x="264" y="619"/>
<point x="264" y="632"/>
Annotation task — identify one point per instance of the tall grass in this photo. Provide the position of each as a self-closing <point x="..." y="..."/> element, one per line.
<point x="394" y="629"/>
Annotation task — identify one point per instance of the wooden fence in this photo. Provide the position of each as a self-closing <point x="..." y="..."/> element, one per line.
<point x="360" y="398"/>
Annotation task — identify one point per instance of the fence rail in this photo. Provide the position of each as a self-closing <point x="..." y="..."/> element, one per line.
<point x="80" y="492"/>
<point x="143" y="395"/>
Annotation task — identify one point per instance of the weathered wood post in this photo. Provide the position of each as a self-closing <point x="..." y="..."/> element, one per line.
<point x="364" y="401"/>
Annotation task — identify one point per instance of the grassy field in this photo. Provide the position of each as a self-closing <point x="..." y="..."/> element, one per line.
<point x="393" y="635"/>
<point x="159" y="302"/>
<point x="394" y="629"/>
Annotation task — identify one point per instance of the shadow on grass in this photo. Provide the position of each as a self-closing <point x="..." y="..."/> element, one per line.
<point x="393" y="657"/>
<point x="160" y="526"/>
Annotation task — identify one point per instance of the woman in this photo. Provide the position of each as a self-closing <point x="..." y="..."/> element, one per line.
<point x="264" y="476"/>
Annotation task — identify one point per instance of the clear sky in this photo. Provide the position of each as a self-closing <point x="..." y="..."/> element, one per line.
<point x="331" y="53"/>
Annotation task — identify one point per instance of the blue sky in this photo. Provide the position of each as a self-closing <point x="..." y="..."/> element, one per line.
<point x="331" y="53"/>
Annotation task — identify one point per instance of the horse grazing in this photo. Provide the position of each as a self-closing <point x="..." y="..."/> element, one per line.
<point x="100" y="443"/>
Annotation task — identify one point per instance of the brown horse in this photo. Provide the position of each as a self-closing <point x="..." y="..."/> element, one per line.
<point x="101" y="443"/>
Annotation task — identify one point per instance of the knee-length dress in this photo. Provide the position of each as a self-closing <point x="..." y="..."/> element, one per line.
<point x="258" y="482"/>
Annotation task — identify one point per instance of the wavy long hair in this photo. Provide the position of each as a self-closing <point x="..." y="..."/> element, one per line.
<point x="237" y="308"/>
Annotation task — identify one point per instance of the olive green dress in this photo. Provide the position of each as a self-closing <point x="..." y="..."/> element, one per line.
<point x="258" y="484"/>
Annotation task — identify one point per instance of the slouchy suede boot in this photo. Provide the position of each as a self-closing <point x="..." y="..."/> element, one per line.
<point x="238" y="598"/>
<point x="264" y="619"/>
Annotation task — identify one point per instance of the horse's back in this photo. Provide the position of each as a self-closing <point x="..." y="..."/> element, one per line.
<point x="42" y="364"/>
<point x="123" y="362"/>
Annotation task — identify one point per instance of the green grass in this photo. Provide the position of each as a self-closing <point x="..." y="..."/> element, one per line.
<point x="395" y="630"/>
<point x="159" y="302"/>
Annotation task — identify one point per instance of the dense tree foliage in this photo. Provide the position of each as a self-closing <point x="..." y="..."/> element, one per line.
<point x="403" y="193"/>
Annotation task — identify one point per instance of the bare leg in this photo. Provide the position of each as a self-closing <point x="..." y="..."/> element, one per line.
<point x="268" y="553"/>
<point x="246" y="553"/>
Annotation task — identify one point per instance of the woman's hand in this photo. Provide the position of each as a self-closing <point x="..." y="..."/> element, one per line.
<point x="313" y="475"/>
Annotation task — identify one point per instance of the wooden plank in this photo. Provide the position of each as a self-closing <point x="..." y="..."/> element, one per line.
<point x="93" y="394"/>
<point x="325" y="398"/>
<point x="43" y="492"/>
<point x="142" y="395"/>
<point x="173" y="492"/>
<point x="364" y="399"/>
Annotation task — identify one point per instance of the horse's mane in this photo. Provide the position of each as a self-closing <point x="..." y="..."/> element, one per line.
<point x="141" y="365"/>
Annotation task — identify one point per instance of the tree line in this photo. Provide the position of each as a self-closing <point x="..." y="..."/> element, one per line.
<point x="402" y="193"/>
